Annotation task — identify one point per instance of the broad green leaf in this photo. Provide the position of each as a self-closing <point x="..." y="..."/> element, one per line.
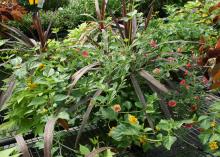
<point x="216" y="106"/>
<point x="48" y="72"/>
<point x="8" y="152"/>
<point x="2" y="42"/>
<point x="38" y="101"/>
<point x="205" y="124"/>
<point x="108" y="114"/>
<point x="16" y="61"/>
<point x="84" y="150"/>
<point x="215" y="137"/>
<point x="164" y="125"/>
<point x="64" y="115"/>
<point x="60" y="97"/>
<point x="108" y="153"/>
<point x="202" y="118"/>
<point x="169" y="141"/>
<point x="204" y="138"/>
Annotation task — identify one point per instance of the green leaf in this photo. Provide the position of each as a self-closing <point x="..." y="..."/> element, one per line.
<point x="124" y="130"/>
<point x="108" y="153"/>
<point x="64" y="115"/>
<point x="16" y="61"/>
<point x="164" y="125"/>
<point x="38" y="101"/>
<point x="205" y="124"/>
<point x="216" y="106"/>
<point x="2" y="42"/>
<point x="108" y="113"/>
<point x="8" y="152"/>
<point x="169" y="141"/>
<point x="60" y="97"/>
<point x="202" y="118"/>
<point x="215" y="137"/>
<point x="127" y="104"/>
<point x="84" y="150"/>
<point x="204" y="138"/>
<point x="48" y="72"/>
<point x="138" y="104"/>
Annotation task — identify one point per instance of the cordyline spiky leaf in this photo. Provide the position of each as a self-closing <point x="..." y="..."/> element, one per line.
<point x="147" y="20"/>
<point x="22" y="146"/>
<point x="76" y="76"/>
<point x="43" y="35"/>
<point x="141" y="98"/>
<point x="101" y="12"/>
<point x="215" y="7"/>
<point x="7" y="94"/>
<point x="48" y="134"/>
<point x="86" y="116"/>
<point x="159" y="88"/>
<point x="16" y="34"/>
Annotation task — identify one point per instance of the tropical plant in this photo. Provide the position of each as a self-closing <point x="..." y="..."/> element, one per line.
<point x="117" y="67"/>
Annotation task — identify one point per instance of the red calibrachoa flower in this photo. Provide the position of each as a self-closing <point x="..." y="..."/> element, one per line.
<point x="85" y="54"/>
<point x="153" y="43"/>
<point x="187" y="86"/>
<point x="179" y="50"/>
<point x="194" y="108"/>
<point x="196" y="97"/>
<point x="189" y="126"/>
<point x="188" y="65"/>
<point x="172" y="103"/>
<point x="182" y="82"/>
<point x="116" y="108"/>
<point x="205" y="80"/>
<point x="185" y="73"/>
<point x="199" y="61"/>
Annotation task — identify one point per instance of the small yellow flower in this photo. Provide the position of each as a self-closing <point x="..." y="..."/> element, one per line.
<point x="156" y="71"/>
<point x="157" y="128"/>
<point x="213" y="145"/>
<point x="32" y="2"/>
<point x="205" y="15"/>
<point x="41" y="66"/>
<point x="110" y="131"/>
<point x="116" y="108"/>
<point x="142" y="139"/>
<point x="44" y="111"/>
<point x="32" y="86"/>
<point x="132" y="119"/>
<point x="213" y="124"/>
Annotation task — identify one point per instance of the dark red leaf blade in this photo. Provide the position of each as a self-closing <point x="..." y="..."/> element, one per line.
<point x="22" y="146"/>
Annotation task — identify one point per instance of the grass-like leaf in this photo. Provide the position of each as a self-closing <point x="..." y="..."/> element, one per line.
<point x="16" y="34"/>
<point x="48" y="136"/>
<point x="7" y="94"/>
<point x="141" y="98"/>
<point x="86" y="116"/>
<point x="22" y="146"/>
<point x="159" y="88"/>
<point x="76" y="76"/>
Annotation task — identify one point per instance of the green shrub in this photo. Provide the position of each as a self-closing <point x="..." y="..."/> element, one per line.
<point x="64" y="18"/>
<point x="48" y="5"/>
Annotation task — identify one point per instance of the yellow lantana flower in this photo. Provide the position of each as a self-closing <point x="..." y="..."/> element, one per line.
<point x="110" y="132"/>
<point x="32" y="2"/>
<point x="142" y="139"/>
<point x="132" y="119"/>
<point x="213" y="124"/>
<point x="32" y="86"/>
<point x="213" y="145"/>
<point x="41" y="66"/>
